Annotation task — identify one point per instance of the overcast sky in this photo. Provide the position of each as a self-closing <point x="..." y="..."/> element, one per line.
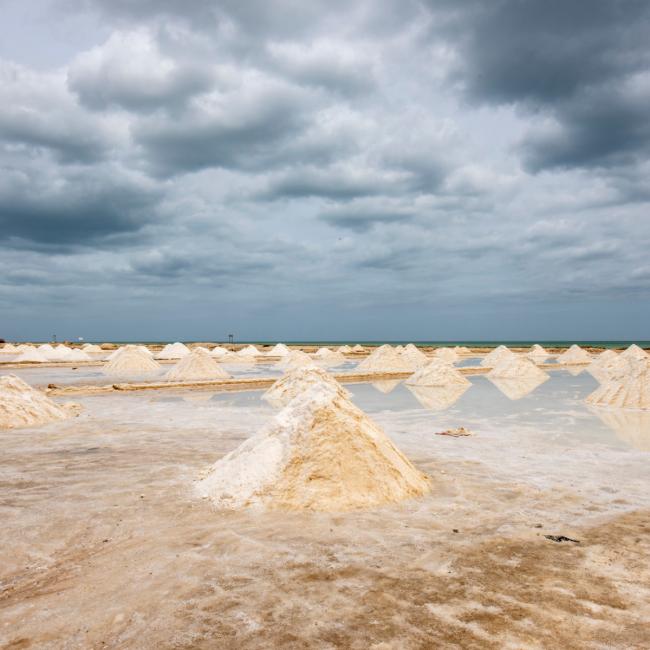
<point x="406" y="169"/>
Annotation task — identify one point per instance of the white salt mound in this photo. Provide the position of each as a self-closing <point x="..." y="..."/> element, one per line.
<point x="279" y="350"/>
<point x="76" y="355"/>
<point x="386" y="359"/>
<point x="602" y="366"/>
<point x="344" y="349"/>
<point x="91" y="348"/>
<point x="415" y="355"/>
<point x="295" y="359"/>
<point x="24" y="347"/>
<point x="358" y="348"/>
<point x="196" y="366"/>
<point x="634" y="352"/>
<point x="517" y="367"/>
<point x="630" y="389"/>
<point x="575" y="355"/>
<point x="249" y="351"/>
<point x="173" y="351"/>
<point x="537" y="353"/>
<point x="23" y="406"/>
<point x="298" y="381"/>
<point x="319" y="453"/>
<point x="219" y="351"/>
<point x="45" y="348"/>
<point x="8" y="348"/>
<point x="32" y="356"/>
<point x="437" y="373"/>
<point x="323" y="352"/>
<point x="131" y="361"/>
<point x="446" y="354"/>
<point x="496" y="356"/>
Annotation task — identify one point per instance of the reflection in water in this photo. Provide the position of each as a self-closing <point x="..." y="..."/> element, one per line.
<point x="438" y="398"/>
<point x="632" y="427"/>
<point x="199" y="396"/>
<point x="386" y="386"/>
<point x="576" y="370"/>
<point x="519" y="387"/>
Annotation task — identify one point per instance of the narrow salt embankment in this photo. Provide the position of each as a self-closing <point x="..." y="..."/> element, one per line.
<point x="498" y="355"/>
<point x="24" y="406"/>
<point x="198" y="365"/>
<point x="318" y="453"/>
<point x="131" y="361"/>
<point x="575" y="355"/>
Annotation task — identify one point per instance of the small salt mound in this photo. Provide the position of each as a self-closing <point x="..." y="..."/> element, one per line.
<point x="8" y="348"/>
<point x="173" y="351"/>
<point x="31" y="356"/>
<point x="58" y="353"/>
<point x="344" y="349"/>
<point x="319" y="453"/>
<point x="279" y="350"/>
<point x="497" y="355"/>
<point x="24" y="347"/>
<point x="629" y="389"/>
<point x="386" y="359"/>
<point x="446" y="354"/>
<point x="76" y="355"/>
<point x="517" y="368"/>
<point x="297" y="381"/>
<point x="438" y="398"/>
<point x="437" y="373"/>
<point x="415" y="355"/>
<point x="329" y="357"/>
<point x="196" y="366"/>
<point x="23" y="406"/>
<point x="249" y="351"/>
<point x="323" y="352"/>
<point x="463" y="350"/>
<point x="537" y="353"/>
<point x="131" y="361"/>
<point x="358" y="348"/>
<point x="45" y="348"/>
<point x="634" y="352"/>
<point x="386" y="386"/>
<point x="91" y="348"/>
<point x="295" y="359"/>
<point x="575" y="355"/>
<point x="219" y="351"/>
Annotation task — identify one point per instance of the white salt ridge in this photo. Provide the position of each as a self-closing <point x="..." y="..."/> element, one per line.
<point x="24" y="347"/>
<point x="173" y="351"/>
<point x="319" y="453"/>
<point x="496" y="356"/>
<point x="629" y="389"/>
<point x="131" y="361"/>
<point x="437" y="373"/>
<point x="386" y="359"/>
<point x="197" y="366"/>
<point x="23" y="406"/>
<point x="299" y="380"/>
<point x="575" y="355"/>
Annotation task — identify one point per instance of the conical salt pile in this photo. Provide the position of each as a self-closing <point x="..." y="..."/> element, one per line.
<point x="249" y="351"/>
<point x="415" y="355"/>
<point x="344" y="349"/>
<point x="575" y="355"/>
<point x="319" y="453"/>
<point x="295" y="359"/>
<point x="323" y="352"/>
<point x="634" y="352"/>
<point x="23" y="406"/>
<point x="297" y="381"/>
<point x="600" y="368"/>
<point x="537" y="353"/>
<point x="330" y="357"/>
<point x="386" y="359"/>
<point x="76" y="355"/>
<point x="437" y="398"/>
<point x="219" y="351"/>
<point x="463" y="350"/>
<point x="91" y="348"/>
<point x="173" y="351"/>
<point x="45" y="348"/>
<point x="516" y="368"/>
<point x="131" y="361"/>
<point x="279" y="350"/>
<point x="631" y="389"/>
<point x="496" y="356"/>
<point x="358" y="348"/>
<point x="196" y="366"/>
<point x="446" y="354"/>
<point x="437" y="373"/>
<point x="8" y="348"/>
<point x="31" y="356"/>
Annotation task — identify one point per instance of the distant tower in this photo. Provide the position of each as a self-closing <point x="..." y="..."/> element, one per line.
<point x="231" y="339"/>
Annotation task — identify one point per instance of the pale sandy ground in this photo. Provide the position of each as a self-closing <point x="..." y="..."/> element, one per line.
<point x="104" y="546"/>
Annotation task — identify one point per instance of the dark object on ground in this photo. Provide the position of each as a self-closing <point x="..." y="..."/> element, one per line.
<point x="455" y="433"/>
<point x="561" y="538"/>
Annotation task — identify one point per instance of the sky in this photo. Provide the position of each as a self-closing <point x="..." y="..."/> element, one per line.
<point x="325" y="170"/>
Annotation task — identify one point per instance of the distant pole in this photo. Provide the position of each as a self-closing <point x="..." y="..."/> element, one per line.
<point x="231" y="339"/>
<point x="54" y="337"/>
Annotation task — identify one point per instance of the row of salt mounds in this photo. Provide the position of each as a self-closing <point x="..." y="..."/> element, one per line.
<point x="537" y="353"/>
<point x="446" y="354"/>
<point x="9" y="348"/>
<point x="249" y="351"/>
<point x="319" y="453"/>
<point x="196" y="366"/>
<point x="631" y="389"/>
<point x="173" y="351"/>
<point x="279" y="350"/>
<point x="131" y="360"/>
<point x="496" y="356"/>
<point x="295" y="359"/>
<point x="575" y="355"/>
<point x="517" y="377"/>
<point x="386" y="359"/>
<point x="297" y="381"/>
<point x="24" y="406"/>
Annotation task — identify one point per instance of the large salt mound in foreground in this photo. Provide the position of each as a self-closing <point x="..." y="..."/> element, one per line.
<point x="497" y="355"/>
<point x="298" y="381"/>
<point x="319" y="453"/>
<point x="437" y="373"/>
<point x="23" y="406"/>
<point x="131" y="361"/>
<point x="386" y="359"/>
<point x="630" y="389"/>
<point x="575" y="355"/>
<point x="198" y="365"/>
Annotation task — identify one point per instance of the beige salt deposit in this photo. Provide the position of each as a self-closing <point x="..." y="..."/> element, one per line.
<point x="173" y="351"/>
<point x="575" y="355"/>
<point x="496" y="356"/>
<point x="634" y="352"/>
<point x="131" y="361"/>
<point x="297" y="381"/>
<point x="446" y="354"/>
<point x="437" y="373"/>
<point x="319" y="453"/>
<point x="198" y="365"/>
<point x="91" y="348"/>
<point x="386" y="359"/>
<point x="31" y="355"/>
<point x="515" y="367"/>
<point x="602" y="366"/>
<point x="630" y="388"/>
<point x="24" y="406"/>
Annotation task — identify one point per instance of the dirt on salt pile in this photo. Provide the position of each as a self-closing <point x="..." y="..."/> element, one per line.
<point x="319" y="453"/>
<point x="297" y="381"/>
<point x="131" y="361"/>
<point x="197" y="366"/>
<point x="24" y="406"/>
